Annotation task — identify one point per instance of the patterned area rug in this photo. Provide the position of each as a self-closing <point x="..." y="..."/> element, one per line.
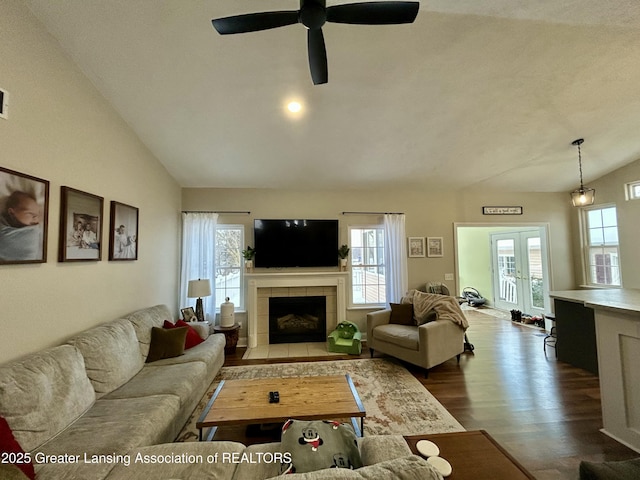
<point x="395" y="401"/>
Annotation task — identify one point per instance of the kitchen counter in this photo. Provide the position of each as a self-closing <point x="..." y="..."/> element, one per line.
<point x="616" y="317"/>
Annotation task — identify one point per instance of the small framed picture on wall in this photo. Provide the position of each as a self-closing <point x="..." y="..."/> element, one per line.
<point x="416" y="246"/>
<point x="24" y="209"/>
<point x="434" y="247"/>
<point x="80" y="226"/>
<point x="123" y="232"/>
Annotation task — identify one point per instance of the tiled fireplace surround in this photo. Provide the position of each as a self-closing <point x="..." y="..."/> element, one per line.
<point x="262" y="286"/>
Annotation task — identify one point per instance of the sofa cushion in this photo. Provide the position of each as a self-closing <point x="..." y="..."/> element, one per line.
<point x="166" y="343"/>
<point x="210" y="352"/>
<point x="111" y="355"/>
<point x="204" y="461"/>
<point x="401" y="313"/>
<point x="118" y="425"/>
<point x="144" y="320"/>
<point x="44" y="393"/>
<point x="11" y="472"/>
<point x="404" y="336"/>
<point x="405" y="468"/>
<point x="182" y="380"/>
<point x="9" y="445"/>
<point x="317" y="444"/>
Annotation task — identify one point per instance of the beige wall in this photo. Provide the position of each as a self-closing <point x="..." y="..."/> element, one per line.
<point x="60" y="129"/>
<point x="610" y="189"/>
<point x="428" y="214"/>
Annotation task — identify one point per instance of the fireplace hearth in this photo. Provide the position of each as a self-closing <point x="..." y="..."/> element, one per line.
<point x="297" y="319"/>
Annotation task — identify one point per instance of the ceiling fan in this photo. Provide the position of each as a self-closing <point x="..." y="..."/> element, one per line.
<point x="313" y="14"/>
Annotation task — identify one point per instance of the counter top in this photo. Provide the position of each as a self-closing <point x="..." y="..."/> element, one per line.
<point x="619" y="299"/>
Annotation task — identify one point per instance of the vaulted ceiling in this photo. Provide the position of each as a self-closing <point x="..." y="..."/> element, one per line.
<point x="474" y="94"/>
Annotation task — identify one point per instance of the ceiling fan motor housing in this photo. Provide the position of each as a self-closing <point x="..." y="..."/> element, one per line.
<point x="313" y="14"/>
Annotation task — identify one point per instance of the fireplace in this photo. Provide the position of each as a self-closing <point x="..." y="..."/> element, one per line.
<point x="297" y="319"/>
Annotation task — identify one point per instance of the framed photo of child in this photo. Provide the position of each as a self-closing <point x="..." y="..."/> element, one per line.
<point x="123" y="232"/>
<point x="80" y="226"/>
<point x="24" y="210"/>
<point x="189" y="315"/>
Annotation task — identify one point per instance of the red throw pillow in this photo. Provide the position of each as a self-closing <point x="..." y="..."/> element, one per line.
<point x="193" y="337"/>
<point x="9" y="444"/>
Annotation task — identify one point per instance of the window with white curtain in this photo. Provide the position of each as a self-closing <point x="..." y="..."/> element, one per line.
<point x="368" y="285"/>
<point x="228" y="270"/>
<point x="602" y="253"/>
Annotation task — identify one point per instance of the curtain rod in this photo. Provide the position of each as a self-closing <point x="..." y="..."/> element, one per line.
<point x="372" y="213"/>
<point x="216" y="211"/>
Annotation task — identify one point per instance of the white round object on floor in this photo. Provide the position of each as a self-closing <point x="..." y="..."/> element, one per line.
<point x="441" y="465"/>
<point x="427" y="448"/>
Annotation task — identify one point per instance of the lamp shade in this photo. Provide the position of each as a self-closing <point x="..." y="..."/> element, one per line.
<point x="199" y="288"/>
<point x="583" y="197"/>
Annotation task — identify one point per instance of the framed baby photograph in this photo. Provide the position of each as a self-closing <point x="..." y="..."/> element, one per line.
<point x="24" y="210"/>
<point x="123" y="232"/>
<point x="80" y="226"/>
<point x="188" y="315"/>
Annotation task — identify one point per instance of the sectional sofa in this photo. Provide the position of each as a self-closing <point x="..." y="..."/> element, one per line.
<point x="96" y="395"/>
<point x="93" y="409"/>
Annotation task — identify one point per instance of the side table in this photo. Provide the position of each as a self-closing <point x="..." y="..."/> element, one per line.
<point x="231" y="336"/>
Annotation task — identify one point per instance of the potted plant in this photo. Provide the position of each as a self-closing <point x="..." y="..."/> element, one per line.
<point x="343" y="253"/>
<point x="248" y="255"/>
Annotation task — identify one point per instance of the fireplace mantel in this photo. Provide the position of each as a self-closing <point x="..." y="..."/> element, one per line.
<point x="256" y="281"/>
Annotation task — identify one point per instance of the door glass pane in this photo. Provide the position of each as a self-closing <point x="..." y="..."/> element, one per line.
<point x="507" y="270"/>
<point x="534" y="258"/>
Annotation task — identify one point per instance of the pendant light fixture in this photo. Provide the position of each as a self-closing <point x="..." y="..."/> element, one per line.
<point x="583" y="196"/>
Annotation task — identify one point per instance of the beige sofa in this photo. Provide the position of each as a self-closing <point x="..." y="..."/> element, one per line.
<point x="95" y="395"/>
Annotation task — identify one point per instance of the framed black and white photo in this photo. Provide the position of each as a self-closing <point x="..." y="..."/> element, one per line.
<point x="24" y="210"/>
<point x="416" y="246"/>
<point x="123" y="232"/>
<point x="188" y="315"/>
<point x="434" y="247"/>
<point x="80" y="226"/>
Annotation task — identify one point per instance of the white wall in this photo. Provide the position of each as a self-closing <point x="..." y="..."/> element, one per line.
<point x="428" y="214"/>
<point x="62" y="130"/>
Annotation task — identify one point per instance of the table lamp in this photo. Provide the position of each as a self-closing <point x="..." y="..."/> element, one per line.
<point x="198" y="289"/>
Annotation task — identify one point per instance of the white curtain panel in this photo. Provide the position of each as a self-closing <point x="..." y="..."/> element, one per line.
<point x="395" y="253"/>
<point x="198" y="258"/>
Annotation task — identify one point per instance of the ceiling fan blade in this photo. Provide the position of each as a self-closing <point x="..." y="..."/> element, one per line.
<point x="317" y="56"/>
<point x="252" y="22"/>
<point x="374" y="13"/>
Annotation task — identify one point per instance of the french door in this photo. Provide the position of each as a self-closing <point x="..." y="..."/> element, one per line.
<point x="520" y="278"/>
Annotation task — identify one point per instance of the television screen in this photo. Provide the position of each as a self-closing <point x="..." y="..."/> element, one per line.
<point x="296" y="243"/>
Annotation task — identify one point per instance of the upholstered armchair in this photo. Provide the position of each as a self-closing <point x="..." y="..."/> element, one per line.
<point x="425" y="334"/>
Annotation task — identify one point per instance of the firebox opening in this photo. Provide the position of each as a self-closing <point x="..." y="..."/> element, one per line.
<point x="297" y="319"/>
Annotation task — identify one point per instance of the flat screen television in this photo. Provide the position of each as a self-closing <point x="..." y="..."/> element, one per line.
<point x="295" y="243"/>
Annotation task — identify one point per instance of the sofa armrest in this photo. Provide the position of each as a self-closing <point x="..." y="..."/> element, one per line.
<point x="377" y="318"/>
<point x="202" y="328"/>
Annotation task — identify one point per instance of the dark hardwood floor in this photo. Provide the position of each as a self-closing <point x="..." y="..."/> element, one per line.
<point x="546" y="413"/>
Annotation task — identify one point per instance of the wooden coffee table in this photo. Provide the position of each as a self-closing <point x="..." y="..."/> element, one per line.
<point x="245" y="402"/>
<point x="473" y="455"/>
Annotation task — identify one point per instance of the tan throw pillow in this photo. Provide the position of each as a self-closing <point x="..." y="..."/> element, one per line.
<point x="166" y="343"/>
<point x="401" y="314"/>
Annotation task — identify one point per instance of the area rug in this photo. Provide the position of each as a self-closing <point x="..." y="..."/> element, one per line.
<point x="395" y="401"/>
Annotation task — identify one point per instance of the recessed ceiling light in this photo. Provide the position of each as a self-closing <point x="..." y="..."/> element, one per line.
<point x="294" y="107"/>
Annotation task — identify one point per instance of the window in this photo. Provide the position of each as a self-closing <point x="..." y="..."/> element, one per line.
<point x="601" y="242"/>
<point x="367" y="265"/>
<point x="632" y="190"/>
<point x="229" y="272"/>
